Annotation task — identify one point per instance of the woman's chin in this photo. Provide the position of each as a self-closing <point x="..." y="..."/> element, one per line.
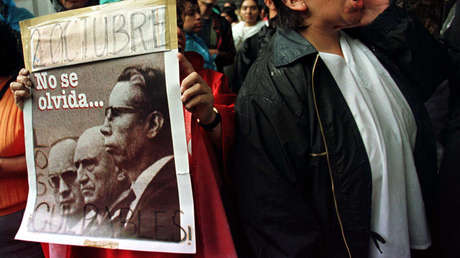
<point x="351" y="20"/>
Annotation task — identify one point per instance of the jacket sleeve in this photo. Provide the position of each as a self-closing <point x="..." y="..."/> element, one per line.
<point x="276" y="219"/>
<point x="418" y="55"/>
<point x="452" y="39"/>
<point x="245" y="57"/>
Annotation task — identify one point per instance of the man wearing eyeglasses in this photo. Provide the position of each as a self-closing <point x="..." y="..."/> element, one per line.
<point x="62" y="175"/>
<point x="138" y="136"/>
<point x="101" y="182"/>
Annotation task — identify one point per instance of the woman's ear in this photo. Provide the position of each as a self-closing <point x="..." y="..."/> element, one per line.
<point x="155" y="121"/>
<point x="296" y="5"/>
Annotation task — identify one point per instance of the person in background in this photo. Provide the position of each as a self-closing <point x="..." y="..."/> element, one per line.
<point x="192" y="25"/>
<point x="229" y="14"/>
<point x="264" y="13"/>
<point x="251" y="24"/>
<point x="217" y="34"/>
<point x="211" y="145"/>
<point x="11" y="14"/>
<point x="13" y="169"/>
<point x="253" y="47"/>
<point x="334" y="154"/>
<point x="232" y="5"/>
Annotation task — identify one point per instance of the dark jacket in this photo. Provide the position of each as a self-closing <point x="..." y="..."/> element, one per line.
<point x="302" y="172"/>
<point x="452" y="39"/>
<point x="450" y="203"/>
<point x="247" y="55"/>
<point x="157" y="214"/>
<point x="222" y="40"/>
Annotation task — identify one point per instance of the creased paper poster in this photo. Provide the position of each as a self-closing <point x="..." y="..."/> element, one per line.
<point x="105" y="135"/>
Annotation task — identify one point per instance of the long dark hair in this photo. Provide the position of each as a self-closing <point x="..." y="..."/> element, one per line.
<point x="288" y="18"/>
<point x="230" y="11"/>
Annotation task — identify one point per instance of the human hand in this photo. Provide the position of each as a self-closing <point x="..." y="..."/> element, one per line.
<point x="21" y="88"/>
<point x="196" y="94"/>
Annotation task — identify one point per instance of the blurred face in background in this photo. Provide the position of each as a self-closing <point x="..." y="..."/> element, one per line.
<point x="192" y="18"/>
<point x="250" y="12"/>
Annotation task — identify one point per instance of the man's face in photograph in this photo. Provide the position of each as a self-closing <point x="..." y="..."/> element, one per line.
<point x="124" y="125"/>
<point x="62" y="176"/>
<point x="97" y="174"/>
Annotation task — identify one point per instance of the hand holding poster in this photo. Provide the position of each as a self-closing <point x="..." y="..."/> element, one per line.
<point x="105" y="136"/>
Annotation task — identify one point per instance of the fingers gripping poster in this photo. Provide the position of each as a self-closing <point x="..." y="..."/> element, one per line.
<point x="105" y="135"/>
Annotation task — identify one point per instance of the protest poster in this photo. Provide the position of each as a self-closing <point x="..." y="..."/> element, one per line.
<point x="105" y="136"/>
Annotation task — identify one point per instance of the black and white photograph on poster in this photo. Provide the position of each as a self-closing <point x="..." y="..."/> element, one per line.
<point x="107" y="156"/>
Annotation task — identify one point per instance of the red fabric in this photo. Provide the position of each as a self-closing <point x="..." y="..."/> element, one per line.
<point x="213" y="236"/>
<point x="11" y="126"/>
<point x="224" y="101"/>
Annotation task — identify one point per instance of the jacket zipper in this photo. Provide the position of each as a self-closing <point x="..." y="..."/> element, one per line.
<point x="327" y="156"/>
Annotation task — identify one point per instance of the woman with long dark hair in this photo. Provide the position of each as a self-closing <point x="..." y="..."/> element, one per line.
<point x="251" y="24"/>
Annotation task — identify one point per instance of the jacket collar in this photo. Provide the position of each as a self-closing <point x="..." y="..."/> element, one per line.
<point x="289" y="46"/>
